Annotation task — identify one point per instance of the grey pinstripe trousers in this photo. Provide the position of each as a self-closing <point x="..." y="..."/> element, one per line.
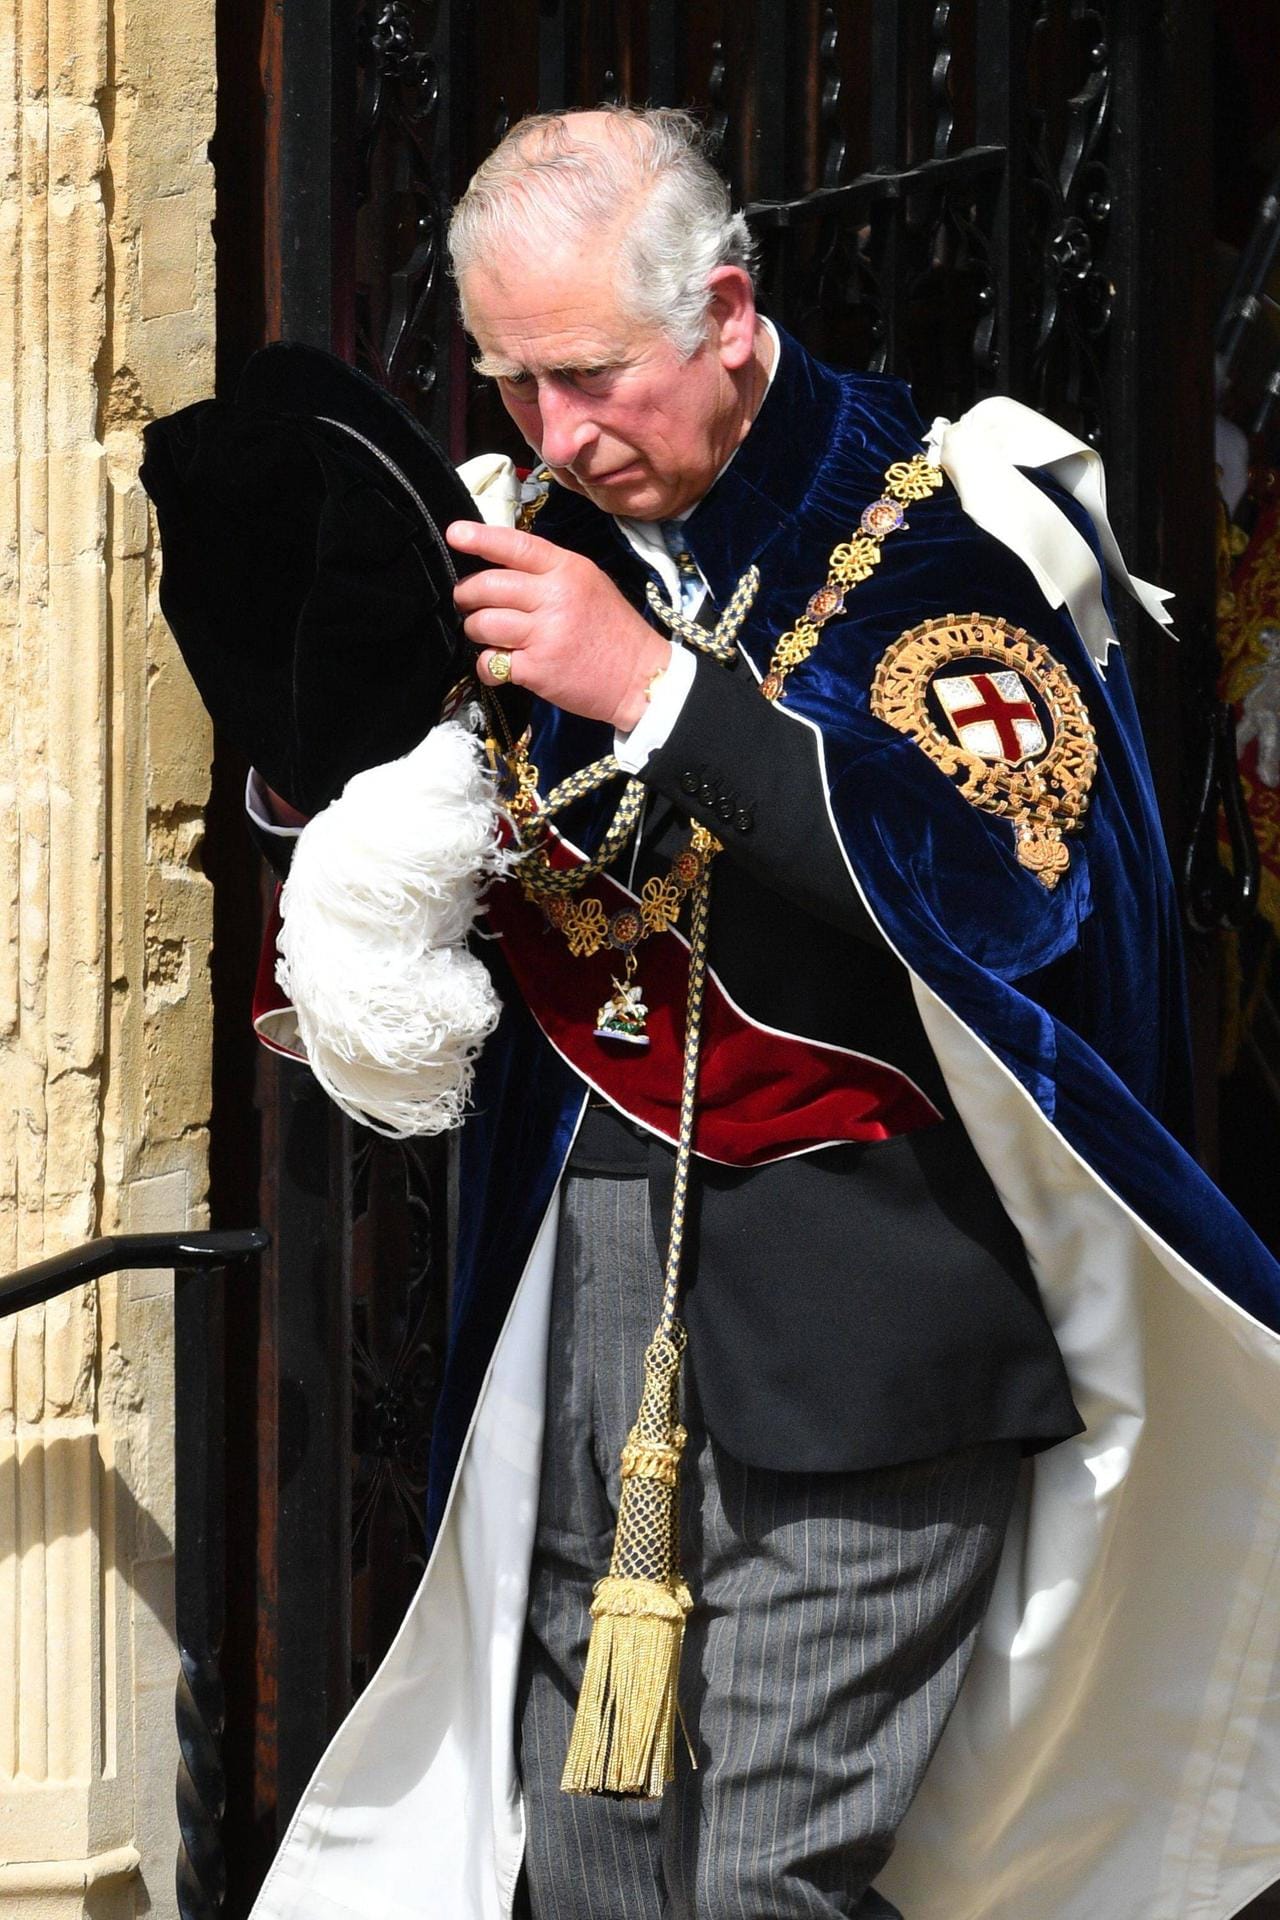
<point x="835" y="1615"/>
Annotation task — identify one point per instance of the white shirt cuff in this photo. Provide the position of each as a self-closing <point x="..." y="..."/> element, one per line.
<point x="258" y="807"/>
<point x="654" y="727"/>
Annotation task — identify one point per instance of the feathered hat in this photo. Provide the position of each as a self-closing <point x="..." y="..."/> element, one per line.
<point x="306" y="577"/>
<point x="308" y="584"/>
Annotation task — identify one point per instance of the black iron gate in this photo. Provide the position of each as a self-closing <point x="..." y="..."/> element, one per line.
<point x="985" y="196"/>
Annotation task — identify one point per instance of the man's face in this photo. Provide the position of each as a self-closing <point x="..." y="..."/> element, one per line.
<point x="609" y="404"/>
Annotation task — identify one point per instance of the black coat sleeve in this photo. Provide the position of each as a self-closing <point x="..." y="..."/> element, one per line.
<point x="753" y="777"/>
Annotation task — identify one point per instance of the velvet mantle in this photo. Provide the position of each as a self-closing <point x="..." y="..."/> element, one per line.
<point x="1078" y="989"/>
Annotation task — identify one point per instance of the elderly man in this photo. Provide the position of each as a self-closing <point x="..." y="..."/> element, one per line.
<point x="829" y="1444"/>
<point x="871" y="751"/>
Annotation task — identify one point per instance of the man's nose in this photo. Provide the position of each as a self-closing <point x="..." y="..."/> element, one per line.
<point x="567" y="427"/>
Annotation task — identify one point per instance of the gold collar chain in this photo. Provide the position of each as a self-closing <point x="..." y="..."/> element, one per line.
<point x="585" y="924"/>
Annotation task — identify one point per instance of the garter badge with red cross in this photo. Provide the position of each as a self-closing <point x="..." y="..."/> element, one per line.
<point x="1003" y="720"/>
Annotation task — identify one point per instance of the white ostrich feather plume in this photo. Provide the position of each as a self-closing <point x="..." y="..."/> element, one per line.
<point x="385" y="886"/>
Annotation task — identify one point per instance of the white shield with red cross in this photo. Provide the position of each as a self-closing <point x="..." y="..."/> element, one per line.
<point x="992" y="715"/>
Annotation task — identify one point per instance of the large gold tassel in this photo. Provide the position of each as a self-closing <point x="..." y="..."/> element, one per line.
<point x="624" y="1731"/>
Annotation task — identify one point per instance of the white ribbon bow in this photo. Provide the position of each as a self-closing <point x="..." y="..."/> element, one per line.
<point x="981" y="453"/>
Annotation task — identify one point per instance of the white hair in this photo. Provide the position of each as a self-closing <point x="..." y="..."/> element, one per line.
<point x="651" y="171"/>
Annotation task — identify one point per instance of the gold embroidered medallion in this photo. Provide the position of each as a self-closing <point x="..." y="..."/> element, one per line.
<point x="1002" y="719"/>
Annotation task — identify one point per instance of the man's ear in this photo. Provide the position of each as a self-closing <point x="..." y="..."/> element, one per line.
<point x="733" y="316"/>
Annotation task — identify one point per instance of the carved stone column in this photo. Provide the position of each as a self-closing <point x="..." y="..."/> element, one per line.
<point x="106" y="316"/>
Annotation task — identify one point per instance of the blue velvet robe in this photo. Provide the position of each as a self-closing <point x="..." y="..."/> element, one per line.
<point x="1114" y="1747"/>
<point x="1078" y="989"/>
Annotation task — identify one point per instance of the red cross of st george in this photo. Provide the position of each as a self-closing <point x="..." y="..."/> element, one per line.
<point x="1001" y="712"/>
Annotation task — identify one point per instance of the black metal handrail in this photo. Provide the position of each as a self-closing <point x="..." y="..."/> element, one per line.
<point x="117" y="1252"/>
<point x="199" y="1575"/>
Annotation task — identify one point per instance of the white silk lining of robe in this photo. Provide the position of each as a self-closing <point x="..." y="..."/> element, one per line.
<point x="1098" y="1762"/>
<point x="415" y="1808"/>
<point x="1106" y="1756"/>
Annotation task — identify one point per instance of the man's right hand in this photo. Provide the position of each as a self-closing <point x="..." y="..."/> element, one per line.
<point x="573" y="639"/>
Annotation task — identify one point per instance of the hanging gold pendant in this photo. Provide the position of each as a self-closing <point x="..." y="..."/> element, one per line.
<point x="624" y="1015"/>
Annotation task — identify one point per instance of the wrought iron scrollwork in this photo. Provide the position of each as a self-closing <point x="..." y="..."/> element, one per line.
<point x="397" y="1340"/>
<point x="1216" y="896"/>
<point x="969" y="217"/>
<point x="717" y="98"/>
<point x="940" y="79"/>
<point x="396" y="57"/>
<point x="893" y="270"/>
<point x="403" y="206"/>
<point x="835" y="146"/>
<point x="1071" y="196"/>
<point x="848" y="277"/>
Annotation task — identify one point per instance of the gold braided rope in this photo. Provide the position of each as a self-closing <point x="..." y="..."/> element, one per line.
<point x="623" y="1738"/>
<point x="723" y="641"/>
<point x="585" y="924"/>
<point x="537" y="875"/>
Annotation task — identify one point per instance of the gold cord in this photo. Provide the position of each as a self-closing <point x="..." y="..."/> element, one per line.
<point x="623" y="1738"/>
<point x="586" y="926"/>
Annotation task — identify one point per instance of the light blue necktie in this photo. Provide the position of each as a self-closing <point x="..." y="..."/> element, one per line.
<point x="692" y="586"/>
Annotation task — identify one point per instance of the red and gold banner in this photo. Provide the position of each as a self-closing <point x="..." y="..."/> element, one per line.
<point x="1249" y="642"/>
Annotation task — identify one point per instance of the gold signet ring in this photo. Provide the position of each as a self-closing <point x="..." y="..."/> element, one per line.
<point x="499" y="667"/>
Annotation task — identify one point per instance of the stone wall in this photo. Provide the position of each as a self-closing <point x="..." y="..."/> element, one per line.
<point x="106" y="317"/>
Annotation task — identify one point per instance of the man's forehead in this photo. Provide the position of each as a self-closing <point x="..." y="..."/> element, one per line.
<point x="543" y="321"/>
<point x="539" y="255"/>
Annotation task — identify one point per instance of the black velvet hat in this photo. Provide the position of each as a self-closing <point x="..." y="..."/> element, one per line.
<point x="306" y="577"/>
